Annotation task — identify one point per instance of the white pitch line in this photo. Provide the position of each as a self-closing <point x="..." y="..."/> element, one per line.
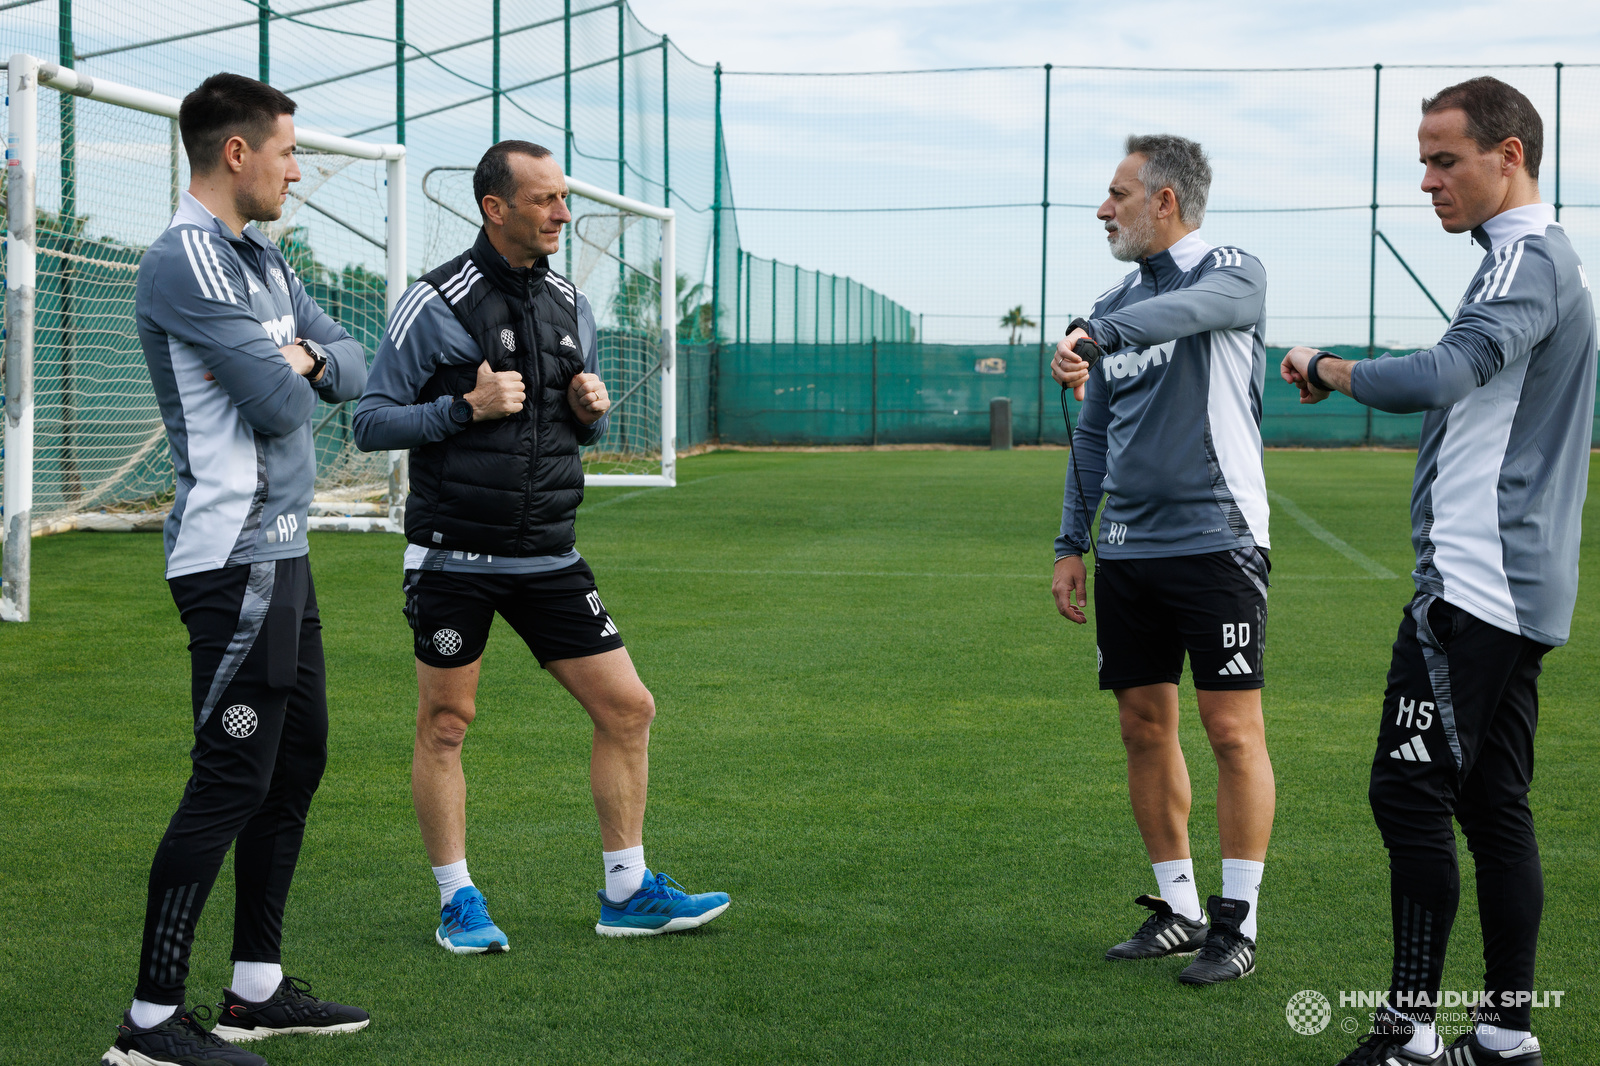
<point x="643" y="492"/>
<point x="1310" y="525"/>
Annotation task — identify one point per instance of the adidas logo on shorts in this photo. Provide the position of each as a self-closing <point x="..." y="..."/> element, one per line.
<point x="1236" y="665"/>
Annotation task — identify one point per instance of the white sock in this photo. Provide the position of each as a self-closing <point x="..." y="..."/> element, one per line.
<point x="1175" y="884"/>
<point x="1497" y="1039"/>
<point x="624" y="872"/>
<point x="147" y="1014"/>
<point x="254" y="982"/>
<point x="1424" y="1041"/>
<point x="1241" y="879"/>
<point x="451" y="879"/>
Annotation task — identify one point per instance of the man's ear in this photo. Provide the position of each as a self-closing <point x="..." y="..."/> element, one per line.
<point x="233" y="152"/>
<point x="494" y="210"/>
<point x="1511" y="154"/>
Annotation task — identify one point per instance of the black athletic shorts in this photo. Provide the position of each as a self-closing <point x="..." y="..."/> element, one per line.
<point x="1148" y="612"/>
<point x="558" y="614"/>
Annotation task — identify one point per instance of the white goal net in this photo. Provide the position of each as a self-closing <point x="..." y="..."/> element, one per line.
<point x="99" y="166"/>
<point x="617" y="250"/>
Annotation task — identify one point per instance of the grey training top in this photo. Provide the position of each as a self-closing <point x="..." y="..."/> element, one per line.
<point x="1170" y="430"/>
<point x="212" y="303"/>
<point x="1503" y="465"/>
<point x="424" y="335"/>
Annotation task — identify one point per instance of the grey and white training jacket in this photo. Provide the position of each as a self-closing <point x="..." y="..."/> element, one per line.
<point x="1170" y="430"/>
<point x="212" y="303"/>
<point x="1503" y="465"/>
<point x="424" y="335"/>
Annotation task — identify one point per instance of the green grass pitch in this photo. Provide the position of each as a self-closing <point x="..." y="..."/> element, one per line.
<point x="874" y="731"/>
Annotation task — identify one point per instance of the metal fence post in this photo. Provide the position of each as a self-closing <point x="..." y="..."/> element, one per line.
<point x="69" y="228"/>
<point x="797" y="303"/>
<point x="666" y="130"/>
<point x="1558" y="141"/>
<point x="400" y="71"/>
<point x="1044" y="265"/>
<point x="22" y="77"/>
<point x="716" y="218"/>
<point x="263" y="39"/>
<point x="1372" y="237"/>
<point x="773" y="337"/>
<point x="622" y="119"/>
<point x="874" y="392"/>
<point x="495" y="77"/>
<point x="566" y="82"/>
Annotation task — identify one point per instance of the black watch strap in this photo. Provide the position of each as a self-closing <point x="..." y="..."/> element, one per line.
<point x="319" y="358"/>
<point x="1311" y="372"/>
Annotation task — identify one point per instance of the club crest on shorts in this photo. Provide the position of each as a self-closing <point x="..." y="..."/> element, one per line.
<point x="508" y="339"/>
<point x="239" y="721"/>
<point x="447" y="642"/>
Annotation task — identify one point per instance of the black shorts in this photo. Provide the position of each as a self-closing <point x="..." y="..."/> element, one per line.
<point x="558" y="614"/>
<point x="1148" y="612"/>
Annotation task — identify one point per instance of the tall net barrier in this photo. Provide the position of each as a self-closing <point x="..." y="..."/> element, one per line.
<point x="107" y="181"/>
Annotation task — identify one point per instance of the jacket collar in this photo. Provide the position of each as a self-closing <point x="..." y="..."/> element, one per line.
<point x="1510" y="225"/>
<point x="191" y="212"/>
<point x="513" y="281"/>
<point x="1164" y="269"/>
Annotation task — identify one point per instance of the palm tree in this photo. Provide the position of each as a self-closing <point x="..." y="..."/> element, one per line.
<point x="1017" y="322"/>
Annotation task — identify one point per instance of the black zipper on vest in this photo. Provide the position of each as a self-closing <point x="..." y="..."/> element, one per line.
<point x="535" y="399"/>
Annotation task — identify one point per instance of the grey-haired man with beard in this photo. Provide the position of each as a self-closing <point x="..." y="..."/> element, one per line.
<point x="1170" y="436"/>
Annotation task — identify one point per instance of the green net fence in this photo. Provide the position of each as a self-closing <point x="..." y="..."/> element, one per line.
<point x="891" y="235"/>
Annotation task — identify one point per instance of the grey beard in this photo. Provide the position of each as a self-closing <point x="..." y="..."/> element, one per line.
<point x="1133" y="241"/>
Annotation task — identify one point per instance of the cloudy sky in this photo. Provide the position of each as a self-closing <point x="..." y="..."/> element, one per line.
<point x="817" y="35"/>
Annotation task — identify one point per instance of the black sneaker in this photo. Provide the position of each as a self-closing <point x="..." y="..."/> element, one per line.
<point x="1386" y="1045"/>
<point x="292" y="1009"/>
<point x="1164" y="933"/>
<point x="1468" y="1052"/>
<point x="178" y="1041"/>
<point x="1228" y="954"/>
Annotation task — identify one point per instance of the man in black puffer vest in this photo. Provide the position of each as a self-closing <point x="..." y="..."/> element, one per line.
<point x="488" y="373"/>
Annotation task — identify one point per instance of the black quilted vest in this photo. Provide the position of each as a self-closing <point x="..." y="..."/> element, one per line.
<point x="510" y="486"/>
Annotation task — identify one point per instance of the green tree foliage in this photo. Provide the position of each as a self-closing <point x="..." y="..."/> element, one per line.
<point x="1016" y="321"/>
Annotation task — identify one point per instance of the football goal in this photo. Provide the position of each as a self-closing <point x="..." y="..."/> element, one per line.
<point x="94" y="169"/>
<point x="617" y="252"/>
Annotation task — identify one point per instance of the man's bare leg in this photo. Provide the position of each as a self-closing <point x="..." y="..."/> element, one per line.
<point x="621" y="709"/>
<point x="1246" y="791"/>
<point x="1158" y="778"/>
<point x="446" y="705"/>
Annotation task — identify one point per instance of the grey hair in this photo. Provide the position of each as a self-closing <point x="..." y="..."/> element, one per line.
<point x="1176" y="163"/>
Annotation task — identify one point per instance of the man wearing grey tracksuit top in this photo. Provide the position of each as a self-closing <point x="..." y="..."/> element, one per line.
<point x="238" y="354"/>
<point x="1496" y="511"/>
<point x="1170" y="436"/>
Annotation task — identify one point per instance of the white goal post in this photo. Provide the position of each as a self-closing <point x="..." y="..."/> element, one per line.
<point x="638" y="344"/>
<point x="25" y="76"/>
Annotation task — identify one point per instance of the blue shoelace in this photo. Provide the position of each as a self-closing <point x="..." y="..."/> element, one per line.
<point x="472" y="912"/>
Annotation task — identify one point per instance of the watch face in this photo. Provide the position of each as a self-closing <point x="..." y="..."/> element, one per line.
<point x="461" y="411"/>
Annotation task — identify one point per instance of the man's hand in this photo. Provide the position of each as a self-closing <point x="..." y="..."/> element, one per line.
<point x="1295" y="372"/>
<point x="1071" y="588"/>
<point x="586" y="395"/>
<point x="496" y="395"/>
<point x="299" y="359"/>
<point x="1068" y="370"/>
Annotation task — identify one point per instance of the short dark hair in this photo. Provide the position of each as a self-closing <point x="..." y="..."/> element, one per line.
<point x="1175" y="163"/>
<point x="224" y="106"/>
<point x="1494" y="112"/>
<point x="493" y="177"/>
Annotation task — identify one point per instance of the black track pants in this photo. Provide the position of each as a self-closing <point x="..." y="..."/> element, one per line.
<point x="1459" y="716"/>
<point x="261" y="743"/>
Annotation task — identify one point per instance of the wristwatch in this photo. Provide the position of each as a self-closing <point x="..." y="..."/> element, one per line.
<point x="1311" y="371"/>
<point x="319" y="358"/>
<point x="461" y="411"/>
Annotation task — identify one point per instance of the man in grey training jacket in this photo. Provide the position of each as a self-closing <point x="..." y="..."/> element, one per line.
<point x="488" y="374"/>
<point x="1496" y="513"/>
<point x="238" y="356"/>
<point x="1170" y="436"/>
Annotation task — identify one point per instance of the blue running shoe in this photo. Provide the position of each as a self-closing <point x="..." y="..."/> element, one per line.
<point x="660" y="906"/>
<point x="466" y="928"/>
